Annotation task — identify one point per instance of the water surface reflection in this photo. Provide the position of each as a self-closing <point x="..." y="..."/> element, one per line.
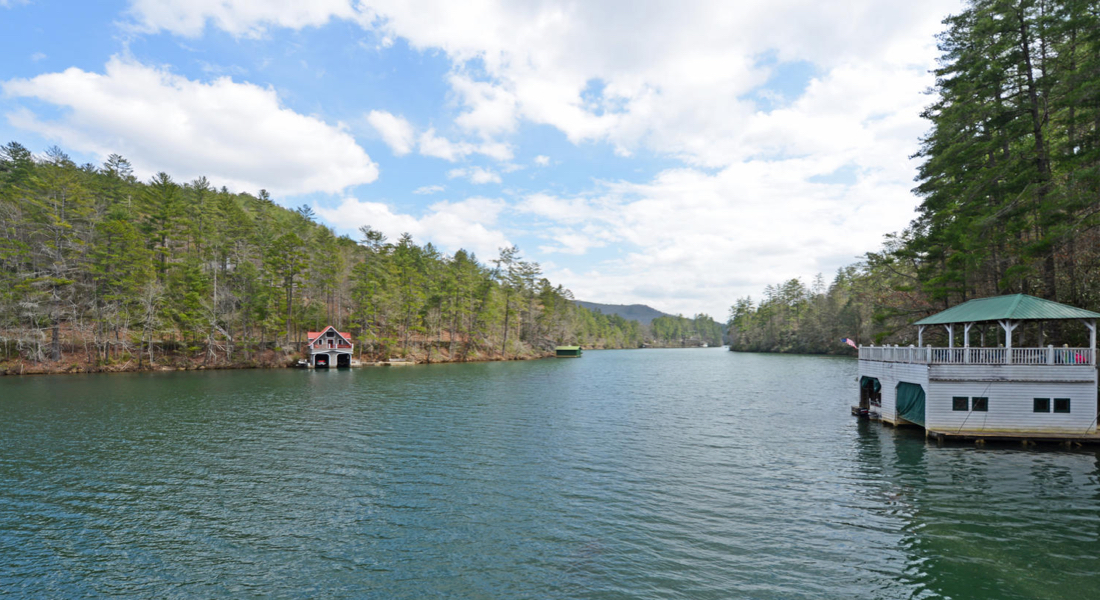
<point x="995" y="521"/>
<point x="625" y="474"/>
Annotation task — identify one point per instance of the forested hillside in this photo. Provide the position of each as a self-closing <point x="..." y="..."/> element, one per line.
<point x="1009" y="182"/>
<point x="680" y="331"/>
<point x="634" y="312"/>
<point x="101" y="271"/>
<point x="664" y="330"/>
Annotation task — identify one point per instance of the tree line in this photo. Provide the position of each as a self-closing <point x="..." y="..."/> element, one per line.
<point x="105" y="271"/>
<point x="1009" y="183"/>
<point x="676" y="331"/>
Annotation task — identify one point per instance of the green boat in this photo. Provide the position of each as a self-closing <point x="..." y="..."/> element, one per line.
<point x="567" y="351"/>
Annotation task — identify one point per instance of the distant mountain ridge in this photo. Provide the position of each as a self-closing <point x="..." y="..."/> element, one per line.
<point x="633" y="312"/>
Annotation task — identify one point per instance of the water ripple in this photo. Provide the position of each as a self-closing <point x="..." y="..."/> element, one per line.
<point x="645" y="474"/>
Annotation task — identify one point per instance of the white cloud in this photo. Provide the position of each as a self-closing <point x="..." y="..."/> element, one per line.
<point x="242" y="18"/>
<point x="561" y="65"/>
<point x="569" y="241"/>
<point x="429" y="189"/>
<point x="469" y="224"/>
<point x="562" y="210"/>
<point x="476" y="175"/>
<point x="493" y="109"/>
<point x="696" y="240"/>
<point x="542" y="160"/>
<point x="440" y="147"/>
<point x="497" y="150"/>
<point x="37" y="56"/>
<point x="479" y="175"/>
<point x="237" y="134"/>
<point x="395" y="131"/>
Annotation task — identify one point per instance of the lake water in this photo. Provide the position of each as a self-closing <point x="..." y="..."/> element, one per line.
<point x="623" y="474"/>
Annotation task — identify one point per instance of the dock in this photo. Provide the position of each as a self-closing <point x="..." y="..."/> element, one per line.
<point x="999" y="391"/>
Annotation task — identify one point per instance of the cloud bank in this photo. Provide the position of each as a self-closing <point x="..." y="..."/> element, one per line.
<point x="451" y="226"/>
<point x="237" y="134"/>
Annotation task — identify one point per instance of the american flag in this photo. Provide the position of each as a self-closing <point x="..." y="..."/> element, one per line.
<point x="849" y="342"/>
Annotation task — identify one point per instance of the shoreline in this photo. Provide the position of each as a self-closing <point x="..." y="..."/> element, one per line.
<point x="23" y="370"/>
<point x="72" y="365"/>
<point x="75" y="364"/>
<point x="831" y="354"/>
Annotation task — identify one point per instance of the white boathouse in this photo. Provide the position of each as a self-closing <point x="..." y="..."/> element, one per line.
<point x="996" y="389"/>
<point x="329" y="348"/>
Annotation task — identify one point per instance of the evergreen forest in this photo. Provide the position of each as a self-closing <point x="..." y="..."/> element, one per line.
<point x="1009" y="182"/>
<point x="681" y="331"/>
<point x="101" y="271"/>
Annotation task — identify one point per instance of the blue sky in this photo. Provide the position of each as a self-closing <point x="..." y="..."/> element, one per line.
<point x="679" y="155"/>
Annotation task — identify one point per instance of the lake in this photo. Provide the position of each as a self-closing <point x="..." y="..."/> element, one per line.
<point x="623" y="474"/>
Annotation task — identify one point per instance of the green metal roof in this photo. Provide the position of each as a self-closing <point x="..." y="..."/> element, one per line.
<point x="1015" y="307"/>
<point x="567" y="348"/>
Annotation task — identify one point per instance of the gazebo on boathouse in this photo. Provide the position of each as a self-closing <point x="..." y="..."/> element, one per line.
<point x="995" y="389"/>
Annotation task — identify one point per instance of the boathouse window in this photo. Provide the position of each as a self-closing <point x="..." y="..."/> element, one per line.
<point x="980" y="404"/>
<point x="959" y="403"/>
<point x="1061" y="405"/>
<point x="1041" y="405"/>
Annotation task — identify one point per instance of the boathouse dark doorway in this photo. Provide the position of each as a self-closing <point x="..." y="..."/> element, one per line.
<point x="870" y="392"/>
<point x="343" y="360"/>
<point x="320" y="361"/>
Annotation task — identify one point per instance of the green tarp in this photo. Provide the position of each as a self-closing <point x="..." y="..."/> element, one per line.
<point x="911" y="403"/>
<point x="865" y="382"/>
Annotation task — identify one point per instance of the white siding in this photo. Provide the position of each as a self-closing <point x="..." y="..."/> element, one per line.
<point x="1011" y="390"/>
<point x="889" y="375"/>
<point x="1065" y="373"/>
<point x="1011" y="407"/>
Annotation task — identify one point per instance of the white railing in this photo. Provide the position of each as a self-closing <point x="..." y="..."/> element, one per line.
<point x="907" y="354"/>
<point x="1030" y="356"/>
<point x="1050" y="355"/>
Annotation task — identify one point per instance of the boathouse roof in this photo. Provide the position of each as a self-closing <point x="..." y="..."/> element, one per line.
<point x="312" y="335"/>
<point x="1014" y="307"/>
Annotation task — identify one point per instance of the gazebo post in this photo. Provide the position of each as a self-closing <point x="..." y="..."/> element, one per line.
<point x="1008" y="326"/>
<point x="966" y="342"/>
<point x="920" y="336"/>
<point x="1091" y="324"/>
<point x="950" y="335"/>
